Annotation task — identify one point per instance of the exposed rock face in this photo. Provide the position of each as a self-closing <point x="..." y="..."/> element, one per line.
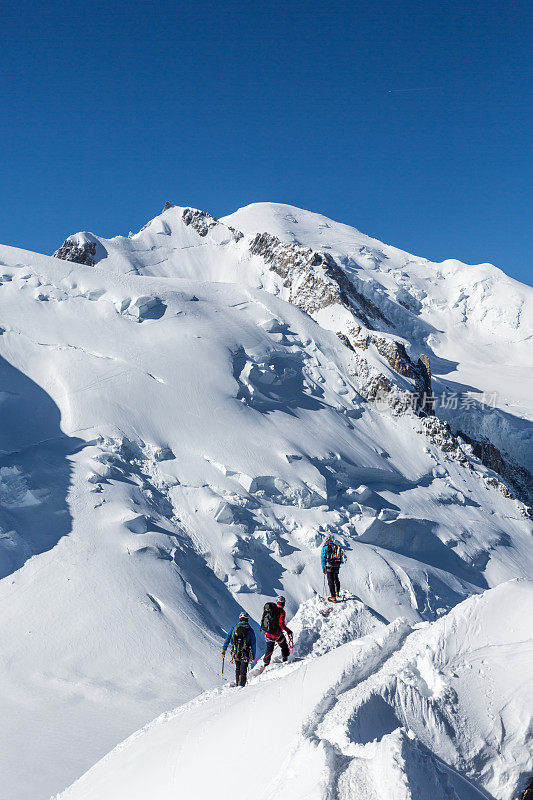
<point x="518" y="477"/>
<point x="395" y="354"/>
<point x="487" y="453"/>
<point x="344" y="339"/>
<point x="516" y="481"/>
<point x="167" y="206"/>
<point x="314" y="279"/>
<point x="378" y="386"/>
<point x="440" y="433"/>
<point x="423" y="384"/>
<point x="79" y="254"/>
<point x="424" y="372"/>
<point x="202" y="222"/>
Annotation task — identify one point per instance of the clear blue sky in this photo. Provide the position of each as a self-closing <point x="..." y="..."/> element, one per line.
<point x="411" y="121"/>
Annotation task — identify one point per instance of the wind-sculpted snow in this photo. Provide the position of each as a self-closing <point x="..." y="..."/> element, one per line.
<point x="405" y="712"/>
<point x="178" y="439"/>
<point x="457" y="691"/>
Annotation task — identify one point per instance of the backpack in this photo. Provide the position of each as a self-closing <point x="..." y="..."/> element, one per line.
<point x="334" y="555"/>
<point x="241" y="648"/>
<point x="270" y="619"/>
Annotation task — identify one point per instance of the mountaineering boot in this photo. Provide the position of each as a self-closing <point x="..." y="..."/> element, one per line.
<point x="332" y="599"/>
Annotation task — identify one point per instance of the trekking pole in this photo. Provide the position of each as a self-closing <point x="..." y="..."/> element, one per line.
<point x="223" y="657"/>
<point x="324" y="586"/>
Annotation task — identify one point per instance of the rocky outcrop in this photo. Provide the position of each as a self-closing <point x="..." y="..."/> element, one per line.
<point x="440" y="433"/>
<point x="344" y="339"/>
<point x="78" y="253"/>
<point x="423" y="386"/>
<point x="314" y="279"/>
<point x="516" y="482"/>
<point x="199" y="220"/>
<point x="396" y="356"/>
<point x="516" y="476"/>
<point x="377" y="388"/>
<point x="424" y="373"/>
<point x="202" y="222"/>
<point x="513" y="481"/>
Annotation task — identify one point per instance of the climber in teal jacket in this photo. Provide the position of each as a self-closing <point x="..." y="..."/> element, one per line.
<point x="331" y="558"/>
<point x="242" y="640"/>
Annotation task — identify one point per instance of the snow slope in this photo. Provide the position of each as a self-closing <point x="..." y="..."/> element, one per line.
<point x="436" y="710"/>
<point x="178" y="437"/>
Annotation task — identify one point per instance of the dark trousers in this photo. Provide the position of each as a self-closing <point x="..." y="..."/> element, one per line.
<point x="241" y="670"/>
<point x="271" y="643"/>
<point x="333" y="581"/>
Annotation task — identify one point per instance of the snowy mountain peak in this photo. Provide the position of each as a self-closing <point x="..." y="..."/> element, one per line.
<point x="404" y="318"/>
<point x="186" y="418"/>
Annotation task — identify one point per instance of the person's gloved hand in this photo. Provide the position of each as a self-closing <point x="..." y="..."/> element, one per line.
<point x="324" y="571"/>
<point x="223" y="654"/>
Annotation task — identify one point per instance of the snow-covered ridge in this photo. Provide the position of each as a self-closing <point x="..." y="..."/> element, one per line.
<point x="407" y="712"/>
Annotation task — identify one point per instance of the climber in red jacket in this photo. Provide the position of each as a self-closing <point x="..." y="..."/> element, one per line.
<point x="277" y="636"/>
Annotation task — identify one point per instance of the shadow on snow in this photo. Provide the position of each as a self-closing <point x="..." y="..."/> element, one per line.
<point x="35" y="470"/>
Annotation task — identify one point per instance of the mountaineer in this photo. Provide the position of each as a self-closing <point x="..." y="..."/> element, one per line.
<point x="273" y="624"/>
<point x="331" y="558"/>
<point x="242" y="640"/>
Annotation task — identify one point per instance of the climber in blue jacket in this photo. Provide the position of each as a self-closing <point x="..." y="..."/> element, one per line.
<point x="331" y="558"/>
<point x="242" y="640"/>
